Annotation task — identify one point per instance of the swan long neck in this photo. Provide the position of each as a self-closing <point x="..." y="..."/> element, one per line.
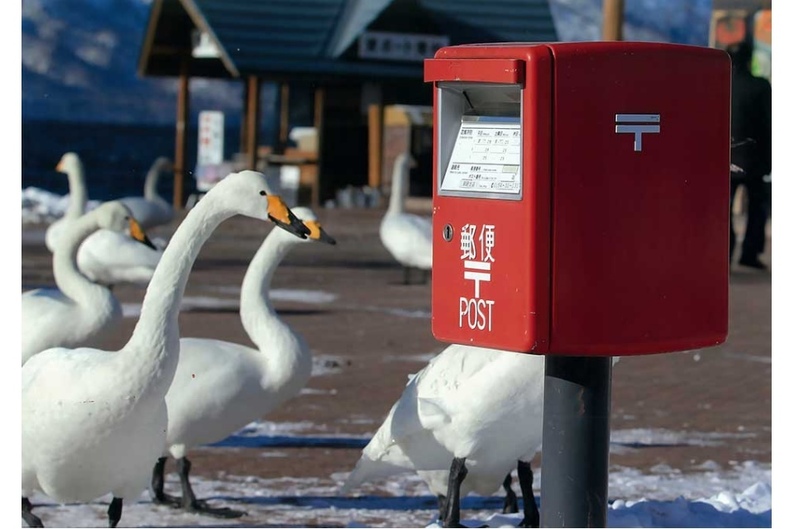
<point x="78" y="195"/>
<point x="256" y="311"/>
<point x="398" y="187"/>
<point x="285" y="357"/>
<point x="68" y="277"/>
<point x="150" y="185"/>
<point x="157" y="330"/>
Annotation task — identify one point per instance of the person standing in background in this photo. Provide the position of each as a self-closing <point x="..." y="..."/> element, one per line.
<point x="751" y="129"/>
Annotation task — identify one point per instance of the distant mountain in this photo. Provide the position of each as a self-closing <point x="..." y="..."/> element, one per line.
<point x="79" y="57"/>
<point x="79" y="62"/>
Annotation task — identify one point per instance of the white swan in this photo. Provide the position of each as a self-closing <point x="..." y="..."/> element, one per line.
<point x="70" y="164"/>
<point x="151" y="209"/>
<point x="406" y="236"/>
<point x="471" y="413"/>
<point x="105" y="257"/>
<point x="78" y="312"/>
<point x="219" y="386"/>
<point x="108" y="258"/>
<point x="94" y="421"/>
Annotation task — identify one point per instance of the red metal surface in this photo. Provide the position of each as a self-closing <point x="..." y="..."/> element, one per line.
<point x="518" y="286"/>
<point x="509" y="71"/>
<point x="611" y="251"/>
<point x="640" y="251"/>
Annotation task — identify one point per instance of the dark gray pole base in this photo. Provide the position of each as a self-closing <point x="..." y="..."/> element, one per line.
<point x="575" y="452"/>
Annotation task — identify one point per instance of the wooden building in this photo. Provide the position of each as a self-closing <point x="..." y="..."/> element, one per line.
<point x="346" y="60"/>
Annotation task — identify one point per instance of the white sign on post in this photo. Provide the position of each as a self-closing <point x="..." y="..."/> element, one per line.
<point x="476" y="254"/>
<point x="210" y="142"/>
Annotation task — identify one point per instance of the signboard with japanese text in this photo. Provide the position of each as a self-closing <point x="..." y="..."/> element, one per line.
<point x="210" y="140"/>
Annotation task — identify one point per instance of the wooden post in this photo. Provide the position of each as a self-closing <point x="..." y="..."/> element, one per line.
<point x="244" y="120"/>
<point x="182" y="117"/>
<point x="252" y="122"/>
<point x="319" y="109"/>
<point x="612" y="28"/>
<point x="375" y="145"/>
<point x="283" y="127"/>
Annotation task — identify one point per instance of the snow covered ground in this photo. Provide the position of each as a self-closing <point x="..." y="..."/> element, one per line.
<point x="740" y="496"/>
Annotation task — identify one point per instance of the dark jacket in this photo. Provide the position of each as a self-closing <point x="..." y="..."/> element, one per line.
<point x="751" y="118"/>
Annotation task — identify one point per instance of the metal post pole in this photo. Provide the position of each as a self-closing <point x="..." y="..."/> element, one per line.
<point x="576" y="407"/>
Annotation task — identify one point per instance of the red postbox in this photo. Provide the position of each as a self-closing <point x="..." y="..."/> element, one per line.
<point x="580" y="204"/>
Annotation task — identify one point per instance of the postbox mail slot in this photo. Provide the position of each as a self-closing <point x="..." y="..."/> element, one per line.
<point x="605" y="230"/>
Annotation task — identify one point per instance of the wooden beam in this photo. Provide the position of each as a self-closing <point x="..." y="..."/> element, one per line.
<point x="182" y="116"/>
<point x="612" y="28"/>
<point x="252" y="122"/>
<point x="375" y="133"/>
<point x="283" y="127"/>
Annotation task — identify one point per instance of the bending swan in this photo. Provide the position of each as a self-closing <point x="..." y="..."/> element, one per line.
<point x="96" y="420"/>
<point x="152" y="209"/>
<point x="471" y="413"/>
<point x="105" y="257"/>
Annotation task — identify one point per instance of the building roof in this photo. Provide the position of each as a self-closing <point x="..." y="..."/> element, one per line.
<point x="323" y="38"/>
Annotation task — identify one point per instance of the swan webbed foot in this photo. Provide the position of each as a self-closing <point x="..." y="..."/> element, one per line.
<point x="31" y="519"/>
<point x="201" y="507"/>
<point x="189" y="501"/>
<point x="163" y="498"/>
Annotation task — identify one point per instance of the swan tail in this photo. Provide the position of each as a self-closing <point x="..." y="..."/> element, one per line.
<point x="368" y="469"/>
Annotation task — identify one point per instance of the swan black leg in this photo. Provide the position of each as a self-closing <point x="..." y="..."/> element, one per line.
<point x="114" y="511"/>
<point x="531" y="513"/>
<point x="442" y="506"/>
<point x="189" y="501"/>
<point x="31" y="519"/>
<point x="511" y="500"/>
<point x="158" y="482"/>
<point x="406" y="275"/>
<point x="457" y="473"/>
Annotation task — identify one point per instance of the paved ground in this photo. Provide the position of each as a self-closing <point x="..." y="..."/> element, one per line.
<point x="377" y="332"/>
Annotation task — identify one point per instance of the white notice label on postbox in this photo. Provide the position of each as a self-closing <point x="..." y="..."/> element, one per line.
<point x="486" y="157"/>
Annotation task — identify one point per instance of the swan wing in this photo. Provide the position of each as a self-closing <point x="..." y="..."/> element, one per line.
<point x="41" y="309"/>
<point x="210" y="396"/>
<point x="408" y="238"/>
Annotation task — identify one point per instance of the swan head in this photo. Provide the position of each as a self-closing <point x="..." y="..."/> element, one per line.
<point x="163" y="163"/>
<point x="69" y="162"/>
<point x="249" y="194"/>
<point x="316" y="231"/>
<point x="116" y="217"/>
<point x="404" y="159"/>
